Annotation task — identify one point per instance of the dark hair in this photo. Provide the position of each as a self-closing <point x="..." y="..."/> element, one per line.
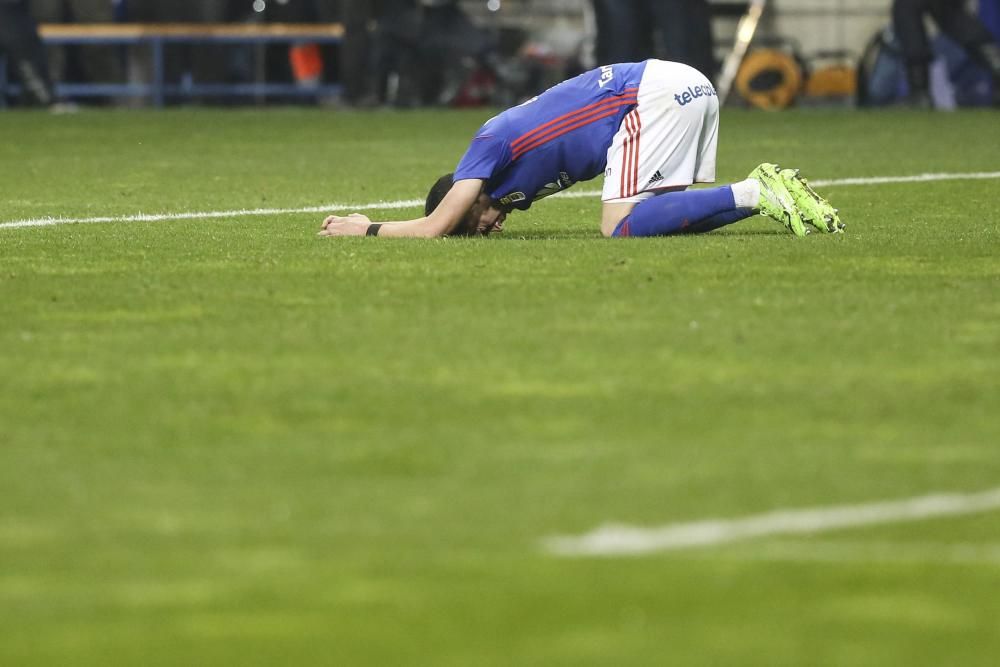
<point x="437" y="193"/>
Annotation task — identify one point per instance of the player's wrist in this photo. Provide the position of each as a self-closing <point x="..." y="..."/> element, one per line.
<point x="373" y="229"/>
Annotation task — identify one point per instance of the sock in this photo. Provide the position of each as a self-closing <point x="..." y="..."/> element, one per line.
<point x="677" y="212"/>
<point x="720" y="220"/>
<point x="746" y="193"/>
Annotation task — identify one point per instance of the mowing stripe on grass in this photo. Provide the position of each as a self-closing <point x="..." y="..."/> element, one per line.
<point x="414" y="203"/>
<point x="817" y="550"/>
<point x="623" y="540"/>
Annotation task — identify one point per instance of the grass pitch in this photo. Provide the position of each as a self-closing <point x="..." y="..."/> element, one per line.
<point x="229" y="442"/>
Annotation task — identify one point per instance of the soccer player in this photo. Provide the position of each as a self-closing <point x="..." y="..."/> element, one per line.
<point x="651" y="128"/>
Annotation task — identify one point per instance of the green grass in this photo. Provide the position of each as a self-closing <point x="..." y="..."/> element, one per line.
<point x="230" y="442"/>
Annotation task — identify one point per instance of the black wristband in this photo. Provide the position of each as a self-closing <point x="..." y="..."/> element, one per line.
<point x="373" y="229"/>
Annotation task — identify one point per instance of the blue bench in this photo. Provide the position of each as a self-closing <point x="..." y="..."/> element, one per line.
<point x="157" y="36"/>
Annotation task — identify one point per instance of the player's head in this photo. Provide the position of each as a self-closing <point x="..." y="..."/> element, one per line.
<point x="485" y="216"/>
<point x="440" y="188"/>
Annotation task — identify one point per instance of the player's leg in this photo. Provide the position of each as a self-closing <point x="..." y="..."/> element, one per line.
<point x="721" y="220"/>
<point x="682" y="211"/>
<point x="354" y="54"/>
<point x="781" y="196"/>
<point x="908" y="23"/>
<point x="666" y="144"/>
<point x="19" y="39"/>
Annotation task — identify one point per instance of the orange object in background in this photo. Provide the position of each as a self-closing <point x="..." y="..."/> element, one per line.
<point x="307" y="64"/>
<point x="770" y="79"/>
<point x="833" y="81"/>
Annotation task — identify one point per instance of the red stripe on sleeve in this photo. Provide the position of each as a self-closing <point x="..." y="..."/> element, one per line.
<point x="570" y="125"/>
<point x="628" y="92"/>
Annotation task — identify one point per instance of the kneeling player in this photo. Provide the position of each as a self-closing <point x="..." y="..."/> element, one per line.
<point x="651" y="128"/>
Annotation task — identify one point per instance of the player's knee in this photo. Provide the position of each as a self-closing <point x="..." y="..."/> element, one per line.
<point x="612" y="214"/>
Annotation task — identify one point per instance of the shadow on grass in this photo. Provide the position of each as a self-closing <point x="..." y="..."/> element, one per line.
<point x="578" y="236"/>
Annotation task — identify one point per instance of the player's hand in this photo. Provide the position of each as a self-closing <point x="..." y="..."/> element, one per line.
<point x="354" y="224"/>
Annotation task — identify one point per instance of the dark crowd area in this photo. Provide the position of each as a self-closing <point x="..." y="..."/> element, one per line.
<point x="412" y="53"/>
<point x="402" y="53"/>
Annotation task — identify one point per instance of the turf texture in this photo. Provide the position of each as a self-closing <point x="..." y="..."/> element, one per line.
<point x="227" y="441"/>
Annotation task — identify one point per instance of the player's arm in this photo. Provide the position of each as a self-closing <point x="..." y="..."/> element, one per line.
<point x="442" y="221"/>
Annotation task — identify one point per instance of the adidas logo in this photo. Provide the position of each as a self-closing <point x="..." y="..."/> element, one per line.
<point x="655" y="179"/>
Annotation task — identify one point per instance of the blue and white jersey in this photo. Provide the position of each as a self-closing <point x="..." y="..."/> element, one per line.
<point x="554" y="140"/>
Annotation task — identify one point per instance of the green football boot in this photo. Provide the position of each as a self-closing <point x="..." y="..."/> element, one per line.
<point x="812" y="208"/>
<point x="776" y="202"/>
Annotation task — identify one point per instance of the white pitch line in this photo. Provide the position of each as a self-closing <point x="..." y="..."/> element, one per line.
<point x="623" y="540"/>
<point x="199" y="215"/>
<point x="919" y="178"/>
<point x="412" y="203"/>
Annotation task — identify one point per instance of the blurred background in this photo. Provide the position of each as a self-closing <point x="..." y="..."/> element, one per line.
<point x="412" y="53"/>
